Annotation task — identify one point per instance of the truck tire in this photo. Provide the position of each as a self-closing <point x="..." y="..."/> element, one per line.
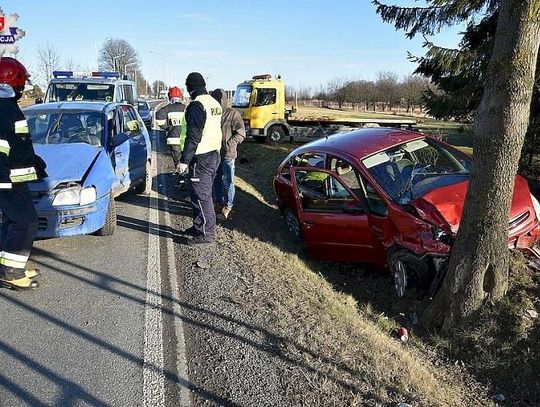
<point x="145" y="187"/>
<point x="109" y="227"/>
<point x="275" y="135"/>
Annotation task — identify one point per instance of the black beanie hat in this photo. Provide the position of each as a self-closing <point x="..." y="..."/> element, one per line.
<point x="194" y="79"/>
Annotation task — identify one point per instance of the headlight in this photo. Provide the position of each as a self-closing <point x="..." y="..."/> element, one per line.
<point x="75" y="196"/>
<point x="536" y="206"/>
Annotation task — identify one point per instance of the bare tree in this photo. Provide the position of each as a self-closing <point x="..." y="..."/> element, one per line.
<point x="158" y="86"/>
<point x="48" y="60"/>
<point x="478" y="270"/>
<point x="117" y="55"/>
<point x="412" y="88"/>
<point x="387" y="89"/>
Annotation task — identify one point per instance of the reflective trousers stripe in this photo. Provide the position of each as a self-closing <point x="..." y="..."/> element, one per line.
<point x="5" y="185"/>
<point x="13" y="260"/>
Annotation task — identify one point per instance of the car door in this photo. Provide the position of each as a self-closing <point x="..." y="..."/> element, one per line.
<point x="138" y="153"/>
<point x="119" y="154"/>
<point x="334" y="222"/>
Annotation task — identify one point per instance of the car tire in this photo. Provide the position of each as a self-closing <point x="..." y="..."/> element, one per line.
<point x="408" y="270"/>
<point x="260" y="139"/>
<point x="109" y="227"/>
<point x="145" y="187"/>
<point x="275" y="135"/>
<point x="292" y="222"/>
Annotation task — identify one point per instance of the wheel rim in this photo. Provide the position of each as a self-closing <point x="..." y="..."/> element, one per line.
<point x="275" y="136"/>
<point x="292" y="223"/>
<point x="400" y="278"/>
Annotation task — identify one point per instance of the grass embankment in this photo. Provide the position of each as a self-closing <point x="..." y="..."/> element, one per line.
<point x="343" y="349"/>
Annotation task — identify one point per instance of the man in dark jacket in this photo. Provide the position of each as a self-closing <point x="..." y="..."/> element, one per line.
<point x="201" y="156"/>
<point x="234" y="132"/>
<point x="18" y="165"/>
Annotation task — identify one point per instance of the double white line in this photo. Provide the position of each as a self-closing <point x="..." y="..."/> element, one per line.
<point x="153" y="369"/>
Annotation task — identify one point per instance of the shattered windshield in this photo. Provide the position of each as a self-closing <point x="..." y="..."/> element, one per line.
<point x="411" y="170"/>
<point x="65" y="127"/>
<point x="242" y="96"/>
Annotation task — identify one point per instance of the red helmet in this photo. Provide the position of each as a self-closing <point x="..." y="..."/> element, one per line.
<point x="13" y="73"/>
<point x="175" y="92"/>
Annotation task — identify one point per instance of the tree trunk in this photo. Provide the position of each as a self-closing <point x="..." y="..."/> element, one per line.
<point x="478" y="269"/>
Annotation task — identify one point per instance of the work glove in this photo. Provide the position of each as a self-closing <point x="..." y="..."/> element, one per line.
<point x="181" y="168"/>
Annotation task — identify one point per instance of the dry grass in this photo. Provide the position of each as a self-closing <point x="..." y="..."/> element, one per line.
<point x="339" y="352"/>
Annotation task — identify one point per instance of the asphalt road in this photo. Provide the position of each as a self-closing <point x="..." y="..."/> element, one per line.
<point x="102" y="329"/>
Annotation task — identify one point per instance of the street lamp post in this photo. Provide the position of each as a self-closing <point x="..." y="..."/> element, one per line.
<point x="115" y="58"/>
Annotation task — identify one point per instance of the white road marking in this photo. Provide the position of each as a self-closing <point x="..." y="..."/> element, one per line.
<point x="181" y="359"/>
<point x="153" y="375"/>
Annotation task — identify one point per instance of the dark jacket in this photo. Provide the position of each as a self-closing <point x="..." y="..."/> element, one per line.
<point x="173" y="129"/>
<point x="195" y="121"/>
<point x="232" y="127"/>
<point x="18" y="154"/>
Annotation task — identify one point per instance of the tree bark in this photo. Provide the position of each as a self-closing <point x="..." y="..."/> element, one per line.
<point x="478" y="268"/>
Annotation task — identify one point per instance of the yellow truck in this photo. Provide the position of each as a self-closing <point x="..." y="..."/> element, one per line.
<point x="261" y="102"/>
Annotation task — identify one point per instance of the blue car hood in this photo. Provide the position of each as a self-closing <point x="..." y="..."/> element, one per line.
<point x="65" y="163"/>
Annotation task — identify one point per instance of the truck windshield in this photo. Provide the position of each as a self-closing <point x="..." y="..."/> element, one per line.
<point x="68" y="92"/>
<point x="242" y="96"/>
<point x="65" y="127"/>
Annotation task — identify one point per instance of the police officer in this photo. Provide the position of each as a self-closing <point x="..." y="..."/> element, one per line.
<point x="18" y="165"/>
<point x="201" y="156"/>
<point x="171" y="118"/>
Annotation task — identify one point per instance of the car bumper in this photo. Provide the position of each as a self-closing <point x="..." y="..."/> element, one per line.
<point x="72" y="220"/>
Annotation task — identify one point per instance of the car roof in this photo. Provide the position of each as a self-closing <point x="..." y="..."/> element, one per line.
<point x="361" y="143"/>
<point x="96" y="106"/>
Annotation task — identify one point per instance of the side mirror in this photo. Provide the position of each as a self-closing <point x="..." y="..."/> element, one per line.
<point x="353" y="209"/>
<point x="38" y="101"/>
<point x="119" y="139"/>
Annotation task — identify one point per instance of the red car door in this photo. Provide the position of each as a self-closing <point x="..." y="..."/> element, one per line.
<point x="334" y="223"/>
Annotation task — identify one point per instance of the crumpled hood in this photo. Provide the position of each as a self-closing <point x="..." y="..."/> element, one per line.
<point x="444" y="206"/>
<point x="65" y="163"/>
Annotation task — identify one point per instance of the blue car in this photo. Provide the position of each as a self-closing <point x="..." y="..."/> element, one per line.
<point x="95" y="151"/>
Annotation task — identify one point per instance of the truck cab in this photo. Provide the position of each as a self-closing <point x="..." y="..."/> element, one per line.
<point x="261" y="102"/>
<point x="66" y="86"/>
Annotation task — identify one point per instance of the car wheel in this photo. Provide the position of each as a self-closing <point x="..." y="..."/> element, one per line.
<point x="408" y="270"/>
<point x="145" y="187"/>
<point x="291" y="220"/>
<point x="109" y="227"/>
<point x="276" y="134"/>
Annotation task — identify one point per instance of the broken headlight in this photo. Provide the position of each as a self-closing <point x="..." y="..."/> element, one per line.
<point x="75" y="196"/>
<point x="442" y="236"/>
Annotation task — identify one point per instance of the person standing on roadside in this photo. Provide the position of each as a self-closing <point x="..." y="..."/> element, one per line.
<point x="234" y="132"/>
<point x="18" y="165"/>
<point x="171" y="119"/>
<point x="201" y="156"/>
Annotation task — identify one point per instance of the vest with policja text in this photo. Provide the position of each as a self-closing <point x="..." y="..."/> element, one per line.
<point x="211" y="135"/>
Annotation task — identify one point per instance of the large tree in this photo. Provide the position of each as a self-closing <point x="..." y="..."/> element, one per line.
<point x="478" y="269"/>
<point x="48" y="60"/>
<point x="118" y="55"/>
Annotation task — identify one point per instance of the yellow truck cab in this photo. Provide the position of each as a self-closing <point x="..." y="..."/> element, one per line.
<point x="261" y="102"/>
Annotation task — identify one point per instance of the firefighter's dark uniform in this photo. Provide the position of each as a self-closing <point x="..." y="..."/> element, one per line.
<point x="171" y="119"/>
<point x="201" y="153"/>
<point x="18" y="165"/>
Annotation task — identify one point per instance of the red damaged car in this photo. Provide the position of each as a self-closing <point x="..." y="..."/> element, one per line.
<point x="390" y="198"/>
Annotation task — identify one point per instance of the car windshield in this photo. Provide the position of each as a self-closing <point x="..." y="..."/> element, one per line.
<point x="411" y="170"/>
<point x="242" y="96"/>
<point x="65" y="127"/>
<point x="142" y="106"/>
<point x="68" y="92"/>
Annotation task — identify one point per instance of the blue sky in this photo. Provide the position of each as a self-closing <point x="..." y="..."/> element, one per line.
<point x="308" y="42"/>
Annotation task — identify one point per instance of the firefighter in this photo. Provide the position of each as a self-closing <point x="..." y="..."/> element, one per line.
<point x="201" y="156"/>
<point x="18" y="165"/>
<point x="171" y="119"/>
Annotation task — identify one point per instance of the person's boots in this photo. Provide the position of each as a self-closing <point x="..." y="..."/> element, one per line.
<point x="32" y="273"/>
<point x="20" y="284"/>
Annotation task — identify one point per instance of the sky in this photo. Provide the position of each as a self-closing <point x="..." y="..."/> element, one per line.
<point x="307" y="42"/>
